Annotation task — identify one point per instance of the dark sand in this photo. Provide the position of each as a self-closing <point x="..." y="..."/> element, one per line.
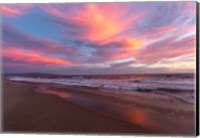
<point x="28" y="111"/>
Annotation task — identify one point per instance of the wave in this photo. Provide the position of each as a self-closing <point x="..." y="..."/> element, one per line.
<point x="123" y="84"/>
<point x="142" y="86"/>
<point x="159" y="82"/>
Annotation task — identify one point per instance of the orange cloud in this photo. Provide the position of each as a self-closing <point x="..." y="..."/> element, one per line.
<point x="16" y="55"/>
<point x="101" y="23"/>
<point x="131" y="47"/>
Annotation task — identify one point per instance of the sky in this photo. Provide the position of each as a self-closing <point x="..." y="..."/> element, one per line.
<point x="99" y="38"/>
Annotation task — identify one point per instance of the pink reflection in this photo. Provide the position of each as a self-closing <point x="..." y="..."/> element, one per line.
<point x="142" y="118"/>
<point x="149" y="120"/>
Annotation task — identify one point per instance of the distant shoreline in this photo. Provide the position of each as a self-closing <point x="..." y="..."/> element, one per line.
<point x="32" y="73"/>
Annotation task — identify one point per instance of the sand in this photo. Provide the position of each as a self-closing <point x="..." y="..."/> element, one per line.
<point x="24" y="110"/>
<point x="27" y="111"/>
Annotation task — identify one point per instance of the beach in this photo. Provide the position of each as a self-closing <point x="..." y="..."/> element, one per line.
<point x="26" y="111"/>
<point x="27" y="108"/>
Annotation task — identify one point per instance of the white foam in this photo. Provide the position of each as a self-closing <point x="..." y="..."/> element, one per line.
<point x="122" y="84"/>
<point x="168" y="82"/>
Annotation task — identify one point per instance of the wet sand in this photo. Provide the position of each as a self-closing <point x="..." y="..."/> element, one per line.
<point x="28" y="111"/>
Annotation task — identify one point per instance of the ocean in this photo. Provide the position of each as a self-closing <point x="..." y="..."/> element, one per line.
<point x="178" y="86"/>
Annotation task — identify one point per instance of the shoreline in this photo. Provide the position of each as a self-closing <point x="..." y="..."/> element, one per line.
<point x="125" y="127"/>
<point x="80" y="120"/>
<point x="180" y="90"/>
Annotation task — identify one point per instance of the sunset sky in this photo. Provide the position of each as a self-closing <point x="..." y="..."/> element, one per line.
<point x="99" y="38"/>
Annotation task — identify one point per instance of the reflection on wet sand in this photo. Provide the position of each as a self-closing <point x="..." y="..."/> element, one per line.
<point x="141" y="118"/>
<point x="147" y="119"/>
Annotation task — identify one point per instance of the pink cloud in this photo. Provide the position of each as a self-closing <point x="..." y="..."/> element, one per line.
<point x="99" y="33"/>
<point x="167" y="48"/>
<point x="16" y="55"/>
<point x="101" y="23"/>
<point x="13" y="38"/>
<point x="14" y="10"/>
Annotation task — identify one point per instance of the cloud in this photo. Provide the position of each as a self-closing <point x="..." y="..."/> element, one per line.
<point x="14" y="10"/>
<point x="15" y="55"/>
<point x="90" y="37"/>
<point x="14" y="39"/>
<point x="167" y="48"/>
<point x="122" y="32"/>
<point x="122" y="63"/>
<point x="168" y="14"/>
<point x="183" y="63"/>
<point x="94" y="22"/>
